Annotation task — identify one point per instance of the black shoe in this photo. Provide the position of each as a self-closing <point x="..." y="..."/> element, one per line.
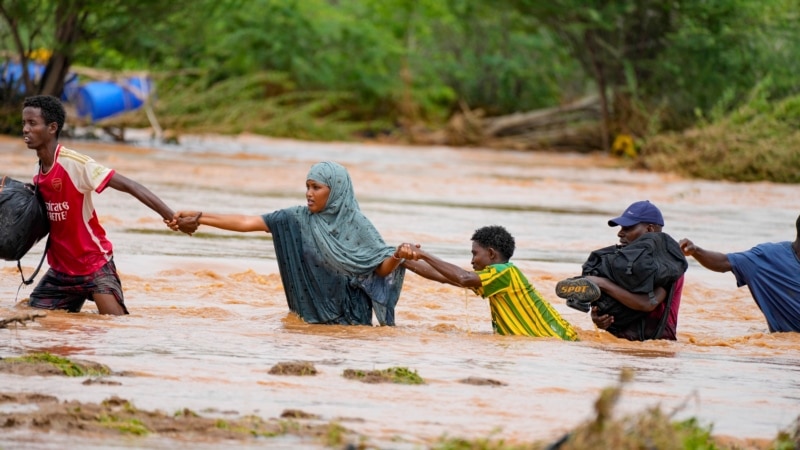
<point x="579" y="292"/>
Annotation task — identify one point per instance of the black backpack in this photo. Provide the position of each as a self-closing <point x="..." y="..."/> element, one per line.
<point x="652" y="260"/>
<point x="23" y="221"/>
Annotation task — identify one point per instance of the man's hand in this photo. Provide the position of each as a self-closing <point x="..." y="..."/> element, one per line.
<point x="601" y="321"/>
<point x="185" y="221"/>
<point x="688" y="247"/>
<point x="408" y="251"/>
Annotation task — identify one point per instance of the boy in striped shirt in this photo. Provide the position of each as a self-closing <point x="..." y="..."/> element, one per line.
<point x="516" y="306"/>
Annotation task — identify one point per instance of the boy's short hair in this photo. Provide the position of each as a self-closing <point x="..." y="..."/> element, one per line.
<point x="51" y="108"/>
<point x="496" y="237"/>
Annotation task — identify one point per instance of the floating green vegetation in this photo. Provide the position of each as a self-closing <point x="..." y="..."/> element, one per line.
<point x="335" y="437"/>
<point x="69" y="368"/>
<point x="478" y="444"/>
<point x="400" y="375"/>
<point x="301" y="368"/>
<point x="127" y="426"/>
<point x="185" y="412"/>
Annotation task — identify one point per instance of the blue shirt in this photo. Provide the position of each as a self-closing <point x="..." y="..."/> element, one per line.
<point x="772" y="273"/>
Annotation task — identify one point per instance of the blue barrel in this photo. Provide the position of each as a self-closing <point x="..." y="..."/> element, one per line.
<point x="11" y="75"/>
<point x="101" y="99"/>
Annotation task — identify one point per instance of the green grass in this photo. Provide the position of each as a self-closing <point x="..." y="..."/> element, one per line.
<point x="69" y="368"/>
<point x="400" y="375"/>
<point x="758" y="141"/>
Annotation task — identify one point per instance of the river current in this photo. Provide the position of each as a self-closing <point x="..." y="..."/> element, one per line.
<point x="209" y="317"/>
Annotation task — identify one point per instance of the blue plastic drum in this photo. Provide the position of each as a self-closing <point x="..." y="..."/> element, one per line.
<point x="11" y="75"/>
<point x="98" y="100"/>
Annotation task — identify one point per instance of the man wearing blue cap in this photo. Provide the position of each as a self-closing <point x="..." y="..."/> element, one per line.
<point x="656" y="312"/>
<point x="770" y="270"/>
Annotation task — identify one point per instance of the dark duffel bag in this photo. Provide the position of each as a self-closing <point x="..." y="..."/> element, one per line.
<point x="23" y="218"/>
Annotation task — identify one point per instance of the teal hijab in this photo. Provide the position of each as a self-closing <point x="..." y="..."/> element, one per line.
<point x="345" y="239"/>
<point x="327" y="260"/>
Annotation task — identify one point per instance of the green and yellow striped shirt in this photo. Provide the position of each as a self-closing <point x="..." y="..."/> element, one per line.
<point x="517" y="308"/>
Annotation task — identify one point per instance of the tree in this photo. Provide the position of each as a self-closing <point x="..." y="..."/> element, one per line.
<point x="616" y="42"/>
<point x="60" y="26"/>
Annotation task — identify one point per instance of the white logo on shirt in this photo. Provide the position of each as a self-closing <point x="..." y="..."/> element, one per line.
<point x="57" y="212"/>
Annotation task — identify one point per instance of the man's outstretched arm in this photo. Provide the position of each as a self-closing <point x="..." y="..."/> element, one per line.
<point x="716" y="261"/>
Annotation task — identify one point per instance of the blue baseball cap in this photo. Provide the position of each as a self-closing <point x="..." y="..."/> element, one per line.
<point x="639" y="212"/>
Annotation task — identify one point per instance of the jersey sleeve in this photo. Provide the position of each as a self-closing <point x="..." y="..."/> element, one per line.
<point x="86" y="174"/>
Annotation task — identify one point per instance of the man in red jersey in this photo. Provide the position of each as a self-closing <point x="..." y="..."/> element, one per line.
<point x="79" y="254"/>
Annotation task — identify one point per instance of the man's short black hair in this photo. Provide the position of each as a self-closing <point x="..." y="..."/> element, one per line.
<point x="496" y="237"/>
<point x="51" y="108"/>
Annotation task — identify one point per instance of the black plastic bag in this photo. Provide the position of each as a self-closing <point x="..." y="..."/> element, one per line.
<point x="23" y="218"/>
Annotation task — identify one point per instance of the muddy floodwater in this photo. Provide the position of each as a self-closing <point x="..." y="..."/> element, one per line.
<point x="209" y="317"/>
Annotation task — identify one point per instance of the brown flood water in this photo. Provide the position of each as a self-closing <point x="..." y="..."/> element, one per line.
<point x="209" y="318"/>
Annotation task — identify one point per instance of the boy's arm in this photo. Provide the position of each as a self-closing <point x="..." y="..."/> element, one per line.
<point x="450" y="273"/>
<point x="141" y="193"/>
<point x="424" y="270"/>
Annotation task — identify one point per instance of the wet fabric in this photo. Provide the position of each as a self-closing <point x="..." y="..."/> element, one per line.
<point x="516" y="306"/>
<point x="649" y="327"/>
<point x="327" y="259"/>
<point x="23" y="219"/>
<point x="78" y="242"/>
<point x="772" y="273"/>
<point x="316" y="289"/>
<point x="58" y="290"/>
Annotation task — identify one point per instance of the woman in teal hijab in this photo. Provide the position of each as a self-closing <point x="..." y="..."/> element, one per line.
<point x="335" y="266"/>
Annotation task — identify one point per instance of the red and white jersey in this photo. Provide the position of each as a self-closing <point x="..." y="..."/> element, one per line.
<point x="78" y="244"/>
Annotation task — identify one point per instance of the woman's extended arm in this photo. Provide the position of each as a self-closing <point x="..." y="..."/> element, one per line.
<point x="231" y="222"/>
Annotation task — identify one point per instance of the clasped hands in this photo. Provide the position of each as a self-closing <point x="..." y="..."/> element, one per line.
<point x="408" y="251"/>
<point x="184" y="221"/>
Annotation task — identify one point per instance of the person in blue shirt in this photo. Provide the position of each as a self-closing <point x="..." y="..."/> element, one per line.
<point x="770" y="270"/>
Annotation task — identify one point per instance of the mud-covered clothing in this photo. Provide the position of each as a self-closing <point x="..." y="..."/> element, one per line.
<point x="516" y="306"/>
<point x="648" y="327"/>
<point x="58" y="290"/>
<point x="772" y="273"/>
<point x="78" y="243"/>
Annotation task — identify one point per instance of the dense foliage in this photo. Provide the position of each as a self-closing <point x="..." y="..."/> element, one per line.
<point x="326" y="69"/>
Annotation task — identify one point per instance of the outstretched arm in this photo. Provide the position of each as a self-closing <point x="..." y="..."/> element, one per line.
<point x="231" y="222"/>
<point x="424" y="270"/>
<point x="148" y="198"/>
<point x="388" y="265"/>
<point x="447" y="272"/>
<point x="125" y="184"/>
<point x="716" y="261"/>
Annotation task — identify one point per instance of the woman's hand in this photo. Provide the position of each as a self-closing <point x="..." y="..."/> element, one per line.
<point x="407" y="251"/>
